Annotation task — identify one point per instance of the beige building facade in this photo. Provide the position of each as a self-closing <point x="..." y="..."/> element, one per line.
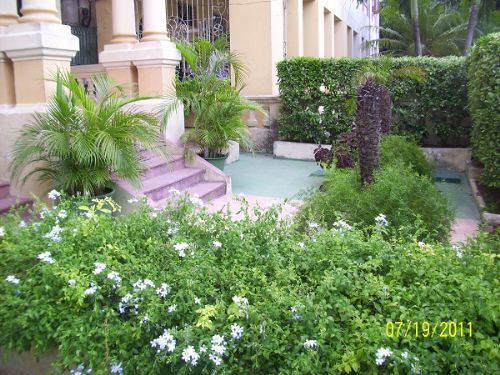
<point x="132" y="41"/>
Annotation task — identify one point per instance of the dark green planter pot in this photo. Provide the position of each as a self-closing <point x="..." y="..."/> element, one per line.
<point x="217" y="162"/>
<point x="110" y="192"/>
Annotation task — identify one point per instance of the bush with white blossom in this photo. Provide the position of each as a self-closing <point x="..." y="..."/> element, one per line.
<point x="125" y="295"/>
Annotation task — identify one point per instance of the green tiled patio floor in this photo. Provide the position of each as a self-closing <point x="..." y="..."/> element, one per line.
<point x="264" y="175"/>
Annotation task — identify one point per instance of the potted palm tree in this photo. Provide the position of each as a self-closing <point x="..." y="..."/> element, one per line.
<point x="81" y="144"/>
<point x="214" y="103"/>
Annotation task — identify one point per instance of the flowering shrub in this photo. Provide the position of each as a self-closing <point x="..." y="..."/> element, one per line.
<point x="183" y="291"/>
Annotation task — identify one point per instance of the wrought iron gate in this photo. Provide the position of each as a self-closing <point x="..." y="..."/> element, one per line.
<point x="190" y="19"/>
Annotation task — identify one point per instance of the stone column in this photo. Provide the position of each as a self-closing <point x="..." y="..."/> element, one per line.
<point x="155" y="57"/>
<point x="123" y="13"/>
<point x="7" y="93"/>
<point x="340" y="38"/>
<point x="295" y="28"/>
<point x="40" y="11"/>
<point x="314" y="43"/>
<point x="8" y="16"/>
<point x="329" y="37"/>
<point x="154" y="20"/>
<point x="37" y="50"/>
<point x="8" y="12"/>
<point x="117" y="56"/>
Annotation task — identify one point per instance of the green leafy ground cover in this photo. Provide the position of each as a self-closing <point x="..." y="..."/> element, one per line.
<point x="182" y="291"/>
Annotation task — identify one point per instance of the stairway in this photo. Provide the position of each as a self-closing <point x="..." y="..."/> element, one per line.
<point x="7" y="201"/>
<point x="162" y="176"/>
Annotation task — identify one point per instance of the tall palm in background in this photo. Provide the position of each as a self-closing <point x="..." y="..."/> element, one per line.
<point x="445" y="27"/>
<point x="442" y="30"/>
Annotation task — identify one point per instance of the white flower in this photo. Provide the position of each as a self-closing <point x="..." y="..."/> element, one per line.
<point x="116" y="368"/>
<point x="54" y="233"/>
<point x="381" y="355"/>
<point x="458" y="250"/>
<point x="295" y="314"/>
<point x="313" y="225"/>
<point x="215" y="359"/>
<point x="22" y="224"/>
<point x="12" y="279"/>
<point x="218" y="340"/>
<point x="172" y="308"/>
<point x="321" y="109"/>
<point x="180" y="248"/>
<point x="44" y="211"/>
<point x="53" y="194"/>
<point x="217" y="244"/>
<point x="125" y="301"/>
<point x="88" y="214"/>
<point x="421" y="244"/>
<point x="143" y="284"/>
<point x="99" y="267"/>
<point x="171" y="231"/>
<point x="153" y="215"/>
<point x="236" y="331"/>
<point x="115" y="276"/>
<point x="242" y="303"/>
<point x="46" y="256"/>
<point x="341" y="224"/>
<point x="71" y="282"/>
<point x="310" y="344"/>
<point x="144" y="320"/>
<point x="197" y="300"/>
<point x="404" y="355"/>
<point x="381" y="220"/>
<point x="218" y="349"/>
<point x="2" y="231"/>
<point x="90" y="290"/>
<point x="80" y="370"/>
<point x="163" y="290"/>
<point x="189" y="355"/>
<point x="174" y="191"/>
<point x="62" y="214"/>
<point x="302" y="245"/>
<point x="196" y="201"/>
<point x="133" y="200"/>
<point x="203" y="349"/>
<point x="166" y="340"/>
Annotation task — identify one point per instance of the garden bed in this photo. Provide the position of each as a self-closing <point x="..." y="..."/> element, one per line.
<point x="491" y="219"/>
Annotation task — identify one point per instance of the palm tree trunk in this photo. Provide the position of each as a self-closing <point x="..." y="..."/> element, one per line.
<point x="472" y="25"/>
<point x="416" y="27"/>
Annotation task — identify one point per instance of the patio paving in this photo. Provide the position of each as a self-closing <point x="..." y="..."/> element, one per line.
<point x="266" y="176"/>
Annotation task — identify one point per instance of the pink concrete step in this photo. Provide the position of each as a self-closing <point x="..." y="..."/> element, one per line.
<point x="158" y="165"/>
<point x="207" y="190"/>
<point x="8" y="202"/>
<point x="4" y="189"/>
<point x="158" y="187"/>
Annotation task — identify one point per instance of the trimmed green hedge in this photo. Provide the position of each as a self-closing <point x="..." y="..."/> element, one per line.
<point x="434" y="110"/>
<point x="484" y="104"/>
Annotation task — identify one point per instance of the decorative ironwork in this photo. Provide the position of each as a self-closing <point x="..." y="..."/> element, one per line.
<point x="190" y="19"/>
<point x="88" y="45"/>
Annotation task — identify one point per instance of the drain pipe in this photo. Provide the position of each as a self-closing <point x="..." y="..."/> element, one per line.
<point x="285" y="29"/>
